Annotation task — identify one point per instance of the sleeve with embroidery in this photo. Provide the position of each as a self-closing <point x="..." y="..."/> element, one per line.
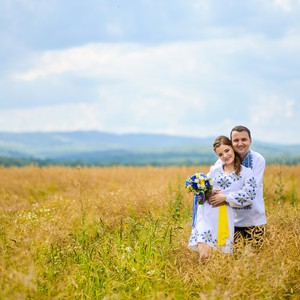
<point x="258" y="169"/>
<point x="246" y="195"/>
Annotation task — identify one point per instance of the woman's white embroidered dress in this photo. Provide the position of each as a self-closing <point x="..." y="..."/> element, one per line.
<point x="240" y="192"/>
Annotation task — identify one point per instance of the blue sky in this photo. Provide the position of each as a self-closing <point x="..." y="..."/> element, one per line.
<point x="188" y="67"/>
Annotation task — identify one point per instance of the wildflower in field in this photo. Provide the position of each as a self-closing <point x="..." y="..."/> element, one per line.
<point x="151" y="272"/>
<point x="27" y="215"/>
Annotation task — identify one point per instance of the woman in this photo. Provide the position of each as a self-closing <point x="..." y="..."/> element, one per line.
<point x="233" y="183"/>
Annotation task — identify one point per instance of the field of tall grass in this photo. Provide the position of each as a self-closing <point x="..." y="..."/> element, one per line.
<point x="122" y="233"/>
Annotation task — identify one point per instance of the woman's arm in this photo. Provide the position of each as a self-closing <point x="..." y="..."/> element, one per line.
<point x="246" y="195"/>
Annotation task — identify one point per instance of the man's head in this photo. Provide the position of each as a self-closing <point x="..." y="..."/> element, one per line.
<point x="241" y="140"/>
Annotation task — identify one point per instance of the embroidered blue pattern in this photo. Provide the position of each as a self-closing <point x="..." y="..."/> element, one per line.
<point x="235" y="177"/>
<point x="252" y="188"/>
<point x="223" y="183"/>
<point x="248" y="160"/>
<point x="240" y="198"/>
<point x="243" y="208"/>
<point x="252" y="182"/>
<point x="207" y="236"/>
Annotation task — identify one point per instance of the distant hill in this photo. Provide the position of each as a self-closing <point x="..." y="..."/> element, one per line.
<point x="100" y="148"/>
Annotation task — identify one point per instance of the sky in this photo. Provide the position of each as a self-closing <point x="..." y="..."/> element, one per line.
<point x="180" y="67"/>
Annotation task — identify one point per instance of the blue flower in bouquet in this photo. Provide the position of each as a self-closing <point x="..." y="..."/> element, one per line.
<point x="198" y="183"/>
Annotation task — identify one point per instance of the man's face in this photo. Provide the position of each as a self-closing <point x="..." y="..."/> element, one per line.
<point x="241" y="142"/>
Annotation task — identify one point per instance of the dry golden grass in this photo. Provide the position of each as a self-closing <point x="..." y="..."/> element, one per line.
<point x="122" y="233"/>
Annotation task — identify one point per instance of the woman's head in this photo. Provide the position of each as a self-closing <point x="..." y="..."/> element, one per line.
<point x="224" y="150"/>
<point x="222" y="140"/>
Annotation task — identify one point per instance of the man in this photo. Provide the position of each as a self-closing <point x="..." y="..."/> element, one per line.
<point x="249" y="221"/>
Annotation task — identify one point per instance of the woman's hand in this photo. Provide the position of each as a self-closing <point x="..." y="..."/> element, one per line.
<point x="208" y="194"/>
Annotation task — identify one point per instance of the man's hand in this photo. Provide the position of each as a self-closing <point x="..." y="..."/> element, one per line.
<point x="217" y="198"/>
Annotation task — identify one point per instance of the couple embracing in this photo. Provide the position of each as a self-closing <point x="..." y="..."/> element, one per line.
<point x="235" y="207"/>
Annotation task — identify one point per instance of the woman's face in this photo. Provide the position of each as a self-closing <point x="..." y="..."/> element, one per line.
<point x="226" y="154"/>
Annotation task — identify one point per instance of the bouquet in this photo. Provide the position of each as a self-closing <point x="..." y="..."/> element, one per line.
<point x="198" y="184"/>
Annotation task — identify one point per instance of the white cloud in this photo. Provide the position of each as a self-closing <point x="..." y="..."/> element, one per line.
<point x="172" y="88"/>
<point x="284" y="4"/>
<point x="108" y="60"/>
<point x="193" y="68"/>
<point x="131" y="60"/>
<point x="271" y="109"/>
<point x="209" y="59"/>
<point x="275" y="119"/>
<point x="54" y="118"/>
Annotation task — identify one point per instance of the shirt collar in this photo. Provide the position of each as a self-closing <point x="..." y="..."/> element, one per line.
<point x="248" y="160"/>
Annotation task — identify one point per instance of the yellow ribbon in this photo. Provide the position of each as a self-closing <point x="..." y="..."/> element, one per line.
<point x="223" y="228"/>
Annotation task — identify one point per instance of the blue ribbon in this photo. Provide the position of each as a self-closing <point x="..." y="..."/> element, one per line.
<point x="198" y="199"/>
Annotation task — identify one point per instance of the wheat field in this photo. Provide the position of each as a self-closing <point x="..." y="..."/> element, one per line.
<point x="122" y="232"/>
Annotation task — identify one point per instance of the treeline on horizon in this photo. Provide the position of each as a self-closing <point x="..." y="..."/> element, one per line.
<point x="138" y="159"/>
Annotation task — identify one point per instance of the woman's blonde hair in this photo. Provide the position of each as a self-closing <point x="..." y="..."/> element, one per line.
<point x="224" y="140"/>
